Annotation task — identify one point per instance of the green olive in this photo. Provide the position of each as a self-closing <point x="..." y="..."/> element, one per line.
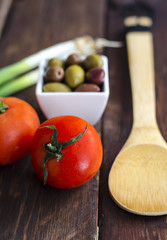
<point x="54" y="74"/>
<point x="56" y="87"/>
<point x="74" y="76"/>
<point x="55" y="62"/>
<point x="93" y="60"/>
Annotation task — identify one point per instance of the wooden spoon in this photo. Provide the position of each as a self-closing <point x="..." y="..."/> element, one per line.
<point x="138" y="177"/>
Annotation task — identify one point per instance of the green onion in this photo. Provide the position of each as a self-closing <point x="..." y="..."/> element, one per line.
<point x="18" y="84"/>
<point x="9" y="72"/>
<point x="10" y="82"/>
<point x="12" y="71"/>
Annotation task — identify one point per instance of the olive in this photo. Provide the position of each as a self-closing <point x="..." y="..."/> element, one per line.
<point x="74" y="76"/>
<point x="56" y="87"/>
<point x="55" y="62"/>
<point x="54" y="74"/>
<point x="93" y="60"/>
<point x="88" y="87"/>
<point x="73" y="59"/>
<point x="95" y="75"/>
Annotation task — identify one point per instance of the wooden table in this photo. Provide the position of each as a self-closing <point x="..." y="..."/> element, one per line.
<point x="30" y="211"/>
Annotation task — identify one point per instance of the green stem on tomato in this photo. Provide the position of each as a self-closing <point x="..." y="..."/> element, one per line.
<point x="53" y="149"/>
<point x="3" y="107"/>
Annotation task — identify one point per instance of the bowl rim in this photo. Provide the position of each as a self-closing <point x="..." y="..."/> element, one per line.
<point x="41" y="70"/>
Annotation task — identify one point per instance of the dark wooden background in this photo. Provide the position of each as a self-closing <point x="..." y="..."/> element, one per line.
<point x="29" y="211"/>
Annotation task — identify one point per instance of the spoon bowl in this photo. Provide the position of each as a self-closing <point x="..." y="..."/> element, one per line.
<point x="140" y="177"/>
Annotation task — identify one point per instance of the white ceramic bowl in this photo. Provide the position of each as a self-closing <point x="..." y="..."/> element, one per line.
<point x="87" y="105"/>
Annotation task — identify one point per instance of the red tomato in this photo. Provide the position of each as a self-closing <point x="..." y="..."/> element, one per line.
<point x="80" y="161"/>
<point x="17" y="127"/>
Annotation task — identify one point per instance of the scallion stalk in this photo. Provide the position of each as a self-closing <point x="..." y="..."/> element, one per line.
<point x="83" y="45"/>
<point x="10" y="82"/>
<point x="12" y="71"/>
<point x="18" y="84"/>
<point x="9" y="72"/>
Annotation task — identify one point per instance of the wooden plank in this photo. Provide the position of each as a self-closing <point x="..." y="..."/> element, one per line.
<point x="4" y="10"/>
<point x="116" y="223"/>
<point x="29" y="210"/>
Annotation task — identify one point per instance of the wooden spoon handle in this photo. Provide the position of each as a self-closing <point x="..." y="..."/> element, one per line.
<point x="141" y="66"/>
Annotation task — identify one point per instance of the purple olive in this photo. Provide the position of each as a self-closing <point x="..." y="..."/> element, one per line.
<point x="54" y="74"/>
<point x="95" y="75"/>
<point x="88" y="87"/>
<point x="73" y="59"/>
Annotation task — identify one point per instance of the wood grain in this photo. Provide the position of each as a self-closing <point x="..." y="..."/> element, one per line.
<point x="4" y="10"/>
<point x="28" y="209"/>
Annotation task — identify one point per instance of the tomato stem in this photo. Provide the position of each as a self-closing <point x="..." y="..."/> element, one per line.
<point x="3" y="107"/>
<point x="53" y="149"/>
